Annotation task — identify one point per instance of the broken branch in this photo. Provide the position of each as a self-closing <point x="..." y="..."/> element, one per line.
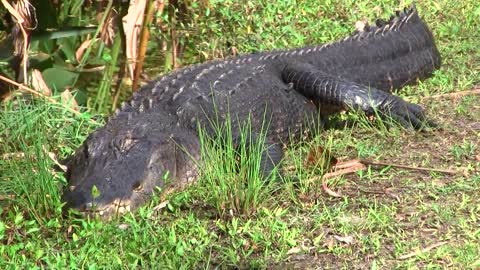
<point x="376" y="163"/>
<point x="417" y="252"/>
<point x="474" y="91"/>
<point x="36" y="93"/>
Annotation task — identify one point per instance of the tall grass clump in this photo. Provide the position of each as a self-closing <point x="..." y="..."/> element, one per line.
<point x="232" y="179"/>
<point x="30" y="131"/>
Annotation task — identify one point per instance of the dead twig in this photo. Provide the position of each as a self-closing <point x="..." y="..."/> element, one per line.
<point x="328" y="190"/>
<point x="36" y="93"/>
<point x="425" y="250"/>
<point x="15" y="156"/>
<point x="7" y="197"/>
<point x="424" y="169"/>
<point x="454" y="95"/>
<point x="337" y="170"/>
<point x="28" y="89"/>
<point x="357" y="165"/>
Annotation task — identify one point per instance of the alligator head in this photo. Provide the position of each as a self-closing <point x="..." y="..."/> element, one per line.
<point x="120" y="165"/>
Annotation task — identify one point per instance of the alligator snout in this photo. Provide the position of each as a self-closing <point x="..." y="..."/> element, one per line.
<point x="101" y="206"/>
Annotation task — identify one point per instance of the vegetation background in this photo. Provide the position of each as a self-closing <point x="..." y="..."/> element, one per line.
<point x="384" y="218"/>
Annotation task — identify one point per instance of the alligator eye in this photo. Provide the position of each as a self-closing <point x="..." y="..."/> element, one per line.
<point x="137" y="186"/>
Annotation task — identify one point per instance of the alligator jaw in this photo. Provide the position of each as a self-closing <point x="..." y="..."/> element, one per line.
<point x="115" y="208"/>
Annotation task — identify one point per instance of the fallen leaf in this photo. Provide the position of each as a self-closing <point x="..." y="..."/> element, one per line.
<point x="69" y="229"/>
<point x="344" y="239"/>
<point x="294" y="250"/>
<point x="39" y="84"/>
<point x="107" y="33"/>
<point x="160" y="206"/>
<point x="330" y="244"/>
<point x="81" y="49"/>
<point x="318" y="156"/>
<point x="360" y="25"/>
<point x="123" y="226"/>
<point x="68" y="100"/>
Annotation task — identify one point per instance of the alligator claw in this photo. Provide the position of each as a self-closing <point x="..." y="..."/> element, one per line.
<point x="408" y="115"/>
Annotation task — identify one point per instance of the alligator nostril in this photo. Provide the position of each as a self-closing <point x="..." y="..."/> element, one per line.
<point x="87" y="206"/>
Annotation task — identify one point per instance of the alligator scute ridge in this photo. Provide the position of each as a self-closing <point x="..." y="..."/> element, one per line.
<point x="128" y="157"/>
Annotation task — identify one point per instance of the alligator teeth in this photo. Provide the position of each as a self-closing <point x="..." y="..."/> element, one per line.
<point x="141" y="108"/>
<point x="123" y="209"/>
<point x="134" y="103"/>
<point x="71" y="188"/>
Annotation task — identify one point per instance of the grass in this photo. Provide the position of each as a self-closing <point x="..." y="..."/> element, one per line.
<point x="231" y="175"/>
<point x="384" y="219"/>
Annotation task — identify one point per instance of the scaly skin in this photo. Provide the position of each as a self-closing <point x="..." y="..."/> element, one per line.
<point x="153" y="137"/>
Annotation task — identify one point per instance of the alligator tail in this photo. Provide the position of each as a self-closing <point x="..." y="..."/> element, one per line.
<point x="387" y="55"/>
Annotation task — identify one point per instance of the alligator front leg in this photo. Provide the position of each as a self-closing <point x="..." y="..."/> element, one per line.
<point x="332" y="91"/>
<point x="271" y="153"/>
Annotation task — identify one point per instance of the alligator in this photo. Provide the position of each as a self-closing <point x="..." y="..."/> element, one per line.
<point x="155" y="133"/>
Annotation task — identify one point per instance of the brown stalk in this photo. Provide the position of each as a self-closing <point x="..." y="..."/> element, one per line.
<point x="20" y="22"/>
<point x="424" y="169"/>
<point x="458" y="94"/>
<point x="357" y="165"/>
<point x="144" y="37"/>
